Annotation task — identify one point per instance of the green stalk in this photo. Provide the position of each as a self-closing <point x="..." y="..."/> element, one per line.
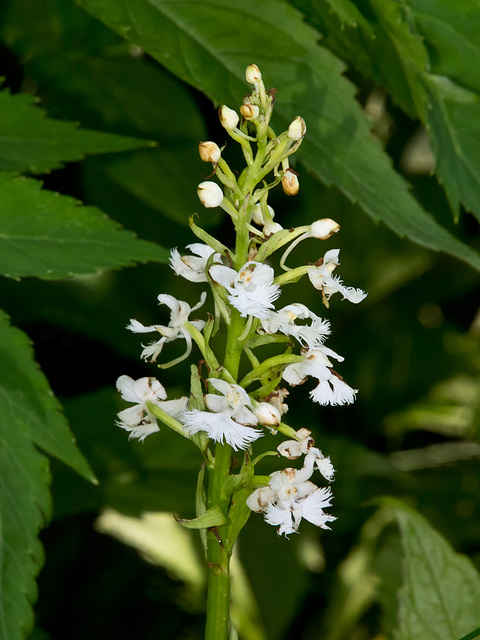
<point x="218" y="580"/>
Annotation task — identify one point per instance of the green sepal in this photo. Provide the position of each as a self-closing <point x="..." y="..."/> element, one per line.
<point x="207" y="238"/>
<point x="213" y="517"/>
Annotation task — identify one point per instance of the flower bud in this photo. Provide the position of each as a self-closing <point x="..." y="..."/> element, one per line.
<point x="323" y="229"/>
<point x="271" y="227"/>
<point x="297" y="129"/>
<point x="290" y="183"/>
<point x="210" y="194"/>
<point x="258" y="215"/>
<point x="228" y="117"/>
<point x="209" y="152"/>
<point x="249" y="111"/>
<point x="253" y="74"/>
<point x="267" y="415"/>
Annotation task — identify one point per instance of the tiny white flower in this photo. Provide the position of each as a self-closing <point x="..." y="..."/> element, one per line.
<point x="137" y="419"/>
<point x="210" y="194"/>
<point x="193" y="267"/>
<point x="179" y="312"/>
<point x="289" y="497"/>
<point x="229" y="418"/>
<point x="253" y="74"/>
<point x="249" y="111"/>
<point x="209" y="152"/>
<point x="323" y="229"/>
<point x="297" y="129"/>
<point x="267" y="414"/>
<point x="250" y="290"/>
<point x="290" y="183"/>
<point x="310" y="336"/>
<point x="322" y="279"/>
<point x="228" y="117"/>
<point x="293" y="449"/>
<point x="331" y="390"/>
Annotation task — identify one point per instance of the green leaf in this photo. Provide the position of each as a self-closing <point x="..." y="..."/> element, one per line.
<point x="441" y="589"/>
<point x="30" y="417"/>
<point x="438" y="49"/>
<point x="349" y="14"/>
<point x="30" y="142"/>
<point x="213" y="517"/>
<point x="51" y="236"/>
<point x="195" y="41"/>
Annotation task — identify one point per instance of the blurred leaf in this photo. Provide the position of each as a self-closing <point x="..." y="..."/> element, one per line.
<point x="82" y="70"/>
<point x="35" y="144"/>
<point x="441" y="589"/>
<point x="349" y="14"/>
<point x="51" y="236"/>
<point x="196" y="44"/>
<point x="432" y="40"/>
<point x="30" y="418"/>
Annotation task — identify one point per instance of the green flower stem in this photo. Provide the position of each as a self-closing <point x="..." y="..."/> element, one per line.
<point x="166" y="419"/>
<point x="218" y="580"/>
<point x="293" y="274"/>
<point x="268" y="365"/>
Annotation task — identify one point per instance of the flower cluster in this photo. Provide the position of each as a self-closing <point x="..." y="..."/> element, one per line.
<point x="233" y="410"/>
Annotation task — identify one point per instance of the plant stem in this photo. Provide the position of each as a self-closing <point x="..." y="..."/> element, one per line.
<point x="218" y="582"/>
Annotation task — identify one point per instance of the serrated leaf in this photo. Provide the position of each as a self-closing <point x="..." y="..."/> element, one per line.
<point x="195" y="41"/>
<point x="349" y="14"/>
<point x="30" y="417"/>
<point x="33" y="143"/>
<point x="437" y="46"/>
<point x="51" y="236"/>
<point x="441" y="589"/>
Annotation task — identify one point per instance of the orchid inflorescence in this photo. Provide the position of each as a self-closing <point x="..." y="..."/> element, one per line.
<point x="245" y="398"/>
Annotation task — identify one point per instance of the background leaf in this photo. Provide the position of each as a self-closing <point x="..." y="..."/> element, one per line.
<point x="30" y="142"/>
<point x="29" y="418"/>
<point x="48" y="235"/>
<point x="441" y="589"/>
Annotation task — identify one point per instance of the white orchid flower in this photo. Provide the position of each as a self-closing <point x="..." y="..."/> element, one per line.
<point x="250" y="290"/>
<point x="289" y="497"/>
<point x="229" y="419"/>
<point x="193" y="267"/>
<point x="321" y="277"/>
<point x="137" y="419"/>
<point x="309" y="336"/>
<point x="331" y="389"/>
<point x="179" y="316"/>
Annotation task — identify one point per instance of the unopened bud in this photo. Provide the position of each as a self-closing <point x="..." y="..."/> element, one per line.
<point x="253" y="74"/>
<point x="228" y="117"/>
<point x="297" y="129"/>
<point x="290" y="183"/>
<point x="271" y="227"/>
<point x="209" y="152"/>
<point x="210" y="194"/>
<point x="323" y="229"/>
<point x="258" y="215"/>
<point x="249" y="111"/>
<point x="267" y="415"/>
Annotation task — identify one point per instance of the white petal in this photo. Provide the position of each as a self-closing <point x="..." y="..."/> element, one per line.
<point x="220" y="427"/>
<point x="125" y="386"/>
<point x="313" y="505"/>
<point x="132" y="416"/>
<point x="138" y="327"/>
